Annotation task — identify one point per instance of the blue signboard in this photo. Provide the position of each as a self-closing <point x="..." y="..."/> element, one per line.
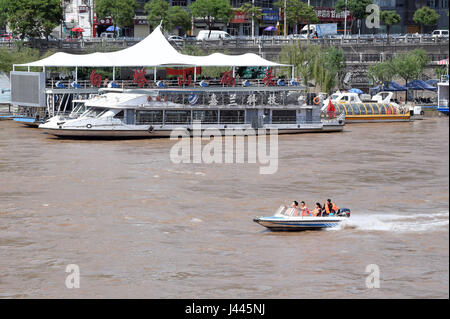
<point x="326" y="29"/>
<point x="270" y="15"/>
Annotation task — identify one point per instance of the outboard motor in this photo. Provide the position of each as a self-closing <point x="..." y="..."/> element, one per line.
<point x="343" y="212"/>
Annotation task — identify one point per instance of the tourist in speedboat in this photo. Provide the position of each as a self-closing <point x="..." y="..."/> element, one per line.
<point x="331" y="208"/>
<point x="304" y="209"/>
<point x="294" y="206"/>
<point x="317" y="211"/>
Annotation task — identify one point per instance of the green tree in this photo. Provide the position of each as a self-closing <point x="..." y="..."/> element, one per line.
<point x="389" y="18"/>
<point x="31" y="18"/>
<point x="410" y="65"/>
<point x="356" y="7"/>
<point x="171" y="17"/>
<point x="293" y="9"/>
<point x="440" y="71"/>
<point x="158" y="10"/>
<point x="324" y="67"/>
<point x="298" y="12"/>
<point x="179" y="18"/>
<point x="254" y="12"/>
<point x="212" y="11"/>
<point x="335" y="62"/>
<point x="382" y="73"/>
<point x="307" y="14"/>
<point x="425" y="16"/>
<point x="8" y="57"/>
<point x="120" y="11"/>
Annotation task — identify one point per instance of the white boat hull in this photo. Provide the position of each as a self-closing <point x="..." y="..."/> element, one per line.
<point x="284" y="223"/>
<point x="161" y="132"/>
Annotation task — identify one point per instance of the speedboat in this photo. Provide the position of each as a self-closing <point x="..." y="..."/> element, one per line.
<point x="284" y="220"/>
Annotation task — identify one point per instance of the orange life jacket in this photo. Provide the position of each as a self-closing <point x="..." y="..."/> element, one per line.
<point x="305" y="211"/>
<point x="333" y="207"/>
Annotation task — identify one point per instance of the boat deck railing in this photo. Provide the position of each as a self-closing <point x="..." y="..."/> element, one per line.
<point x="130" y="84"/>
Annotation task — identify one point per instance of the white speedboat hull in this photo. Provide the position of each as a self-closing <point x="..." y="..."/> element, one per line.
<point x="286" y="223"/>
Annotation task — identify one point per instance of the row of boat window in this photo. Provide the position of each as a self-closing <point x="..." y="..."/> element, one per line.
<point x="206" y="116"/>
<point x="366" y="108"/>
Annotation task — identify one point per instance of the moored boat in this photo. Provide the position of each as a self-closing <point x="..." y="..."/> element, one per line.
<point x="158" y="112"/>
<point x="443" y="97"/>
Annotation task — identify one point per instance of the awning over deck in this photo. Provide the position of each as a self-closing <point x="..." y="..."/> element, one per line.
<point x="153" y="51"/>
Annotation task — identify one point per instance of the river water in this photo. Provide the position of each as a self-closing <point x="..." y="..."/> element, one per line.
<point x="139" y="226"/>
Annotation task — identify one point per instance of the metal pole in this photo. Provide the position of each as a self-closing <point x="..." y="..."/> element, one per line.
<point x="195" y="73"/>
<point x="345" y="20"/>
<point x="253" y="20"/>
<point x="76" y="74"/>
<point x="154" y="75"/>
<point x="114" y="73"/>
<point x="285" y="22"/>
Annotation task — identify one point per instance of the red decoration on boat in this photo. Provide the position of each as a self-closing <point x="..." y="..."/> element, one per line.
<point x="331" y="110"/>
<point x="95" y="78"/>
<point x="139" y="77"/>
<point x="170" y="71"/>
<point x="186" y="80"/>
<point x="268" y="80"/>
<point x="228" y="79"/>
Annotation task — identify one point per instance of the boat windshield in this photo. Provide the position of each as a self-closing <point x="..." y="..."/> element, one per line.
<point x="94" y="112"/>
<point x="79" y="108"/>
<point x="334" y="96"/>
<point x="281" y="210"/>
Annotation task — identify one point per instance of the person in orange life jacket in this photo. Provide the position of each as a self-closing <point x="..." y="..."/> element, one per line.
<point x="331" y="208"/>
<point x="317" y="211"/>
<point x="304" y="209"/>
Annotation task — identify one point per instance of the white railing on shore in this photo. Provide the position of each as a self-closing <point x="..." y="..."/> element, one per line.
<point x="240" y="41"/>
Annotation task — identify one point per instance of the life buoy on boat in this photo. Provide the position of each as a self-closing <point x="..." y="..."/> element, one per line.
<point x="89" y="125"/>
<point x="149" y="98"/>
<point x="150" y="129"/>
<point x="316" y="100"/>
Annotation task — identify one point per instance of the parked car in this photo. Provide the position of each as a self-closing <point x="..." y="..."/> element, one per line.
<point x="7" y="37"/>
<point x="440" y="33"/>
<point x="175" y="38"/>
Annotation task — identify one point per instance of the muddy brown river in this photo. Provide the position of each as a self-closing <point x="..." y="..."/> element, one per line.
<point x="140" y="226"/>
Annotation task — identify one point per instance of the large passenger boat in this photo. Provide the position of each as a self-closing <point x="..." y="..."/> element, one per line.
<point x="158" y="112"/>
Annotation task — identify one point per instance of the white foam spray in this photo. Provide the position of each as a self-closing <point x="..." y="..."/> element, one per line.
<point x="396" y="222"/>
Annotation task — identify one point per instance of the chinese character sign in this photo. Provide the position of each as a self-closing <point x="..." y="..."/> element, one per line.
<point x="228" y="79"/>
<point x="268" y="80"/>
<point x="139" y="77"/>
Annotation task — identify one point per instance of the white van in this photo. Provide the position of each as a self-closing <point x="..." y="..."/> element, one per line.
<point x="215" y="35"/>
<point x="107" y="35"/>
<point x="440" y="33"/>
<point x="312" y="30"/>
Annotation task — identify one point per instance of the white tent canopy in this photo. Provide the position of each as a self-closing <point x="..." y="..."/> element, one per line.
<point x="153" y="51"/>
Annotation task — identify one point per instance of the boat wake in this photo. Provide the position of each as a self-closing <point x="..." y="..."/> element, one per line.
<point x="397" y="223"/>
